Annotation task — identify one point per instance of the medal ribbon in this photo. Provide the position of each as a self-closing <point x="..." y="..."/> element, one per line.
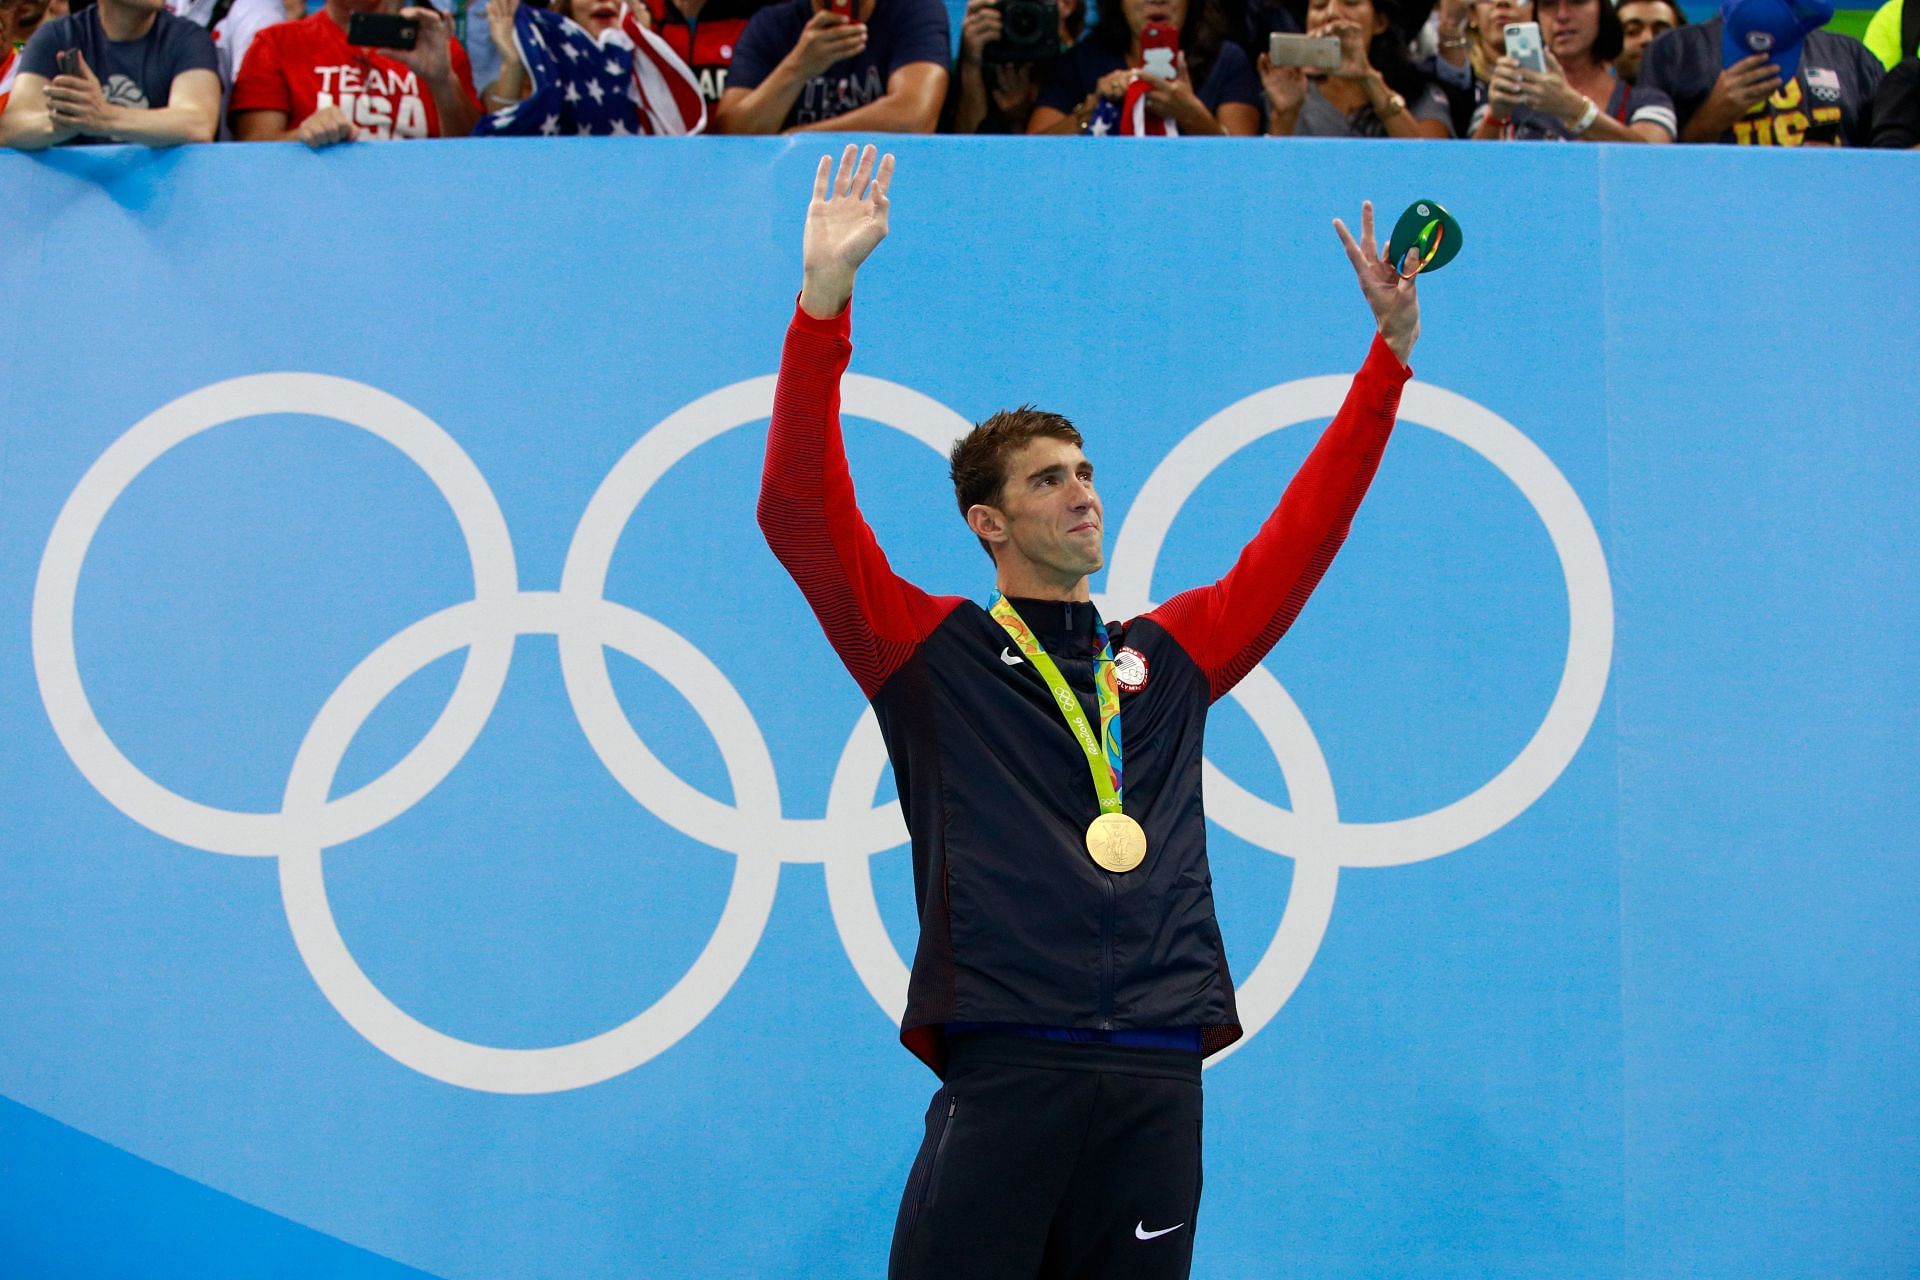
<point x="1104" y="757"/>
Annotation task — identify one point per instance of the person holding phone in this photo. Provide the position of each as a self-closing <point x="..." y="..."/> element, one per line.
<point x="1069" y="975"/>
<point x="117" y="71"/>
<point x="308" y="81"/>
<point x="877" y="66"/>
<point x="1376" y="92"/>
<point x="1765" y="75"/>
<point x="1211" y="88"/>
<point x="1470" y="36"/>
<point x="1573" y="94"/>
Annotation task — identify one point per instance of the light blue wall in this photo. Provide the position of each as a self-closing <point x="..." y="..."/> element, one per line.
<point x="1644" y="1008"/>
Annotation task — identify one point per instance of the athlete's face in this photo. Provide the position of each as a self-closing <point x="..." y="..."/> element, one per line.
<point x="1048" y="520"/>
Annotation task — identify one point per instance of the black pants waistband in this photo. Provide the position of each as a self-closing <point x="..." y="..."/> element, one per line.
<point x="1060" y="1055"/>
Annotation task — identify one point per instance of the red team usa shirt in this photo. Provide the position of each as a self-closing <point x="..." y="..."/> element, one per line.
<point x="299" y="67"/>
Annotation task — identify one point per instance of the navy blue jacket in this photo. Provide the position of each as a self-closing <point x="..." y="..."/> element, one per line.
<point x="1017" y="923"/>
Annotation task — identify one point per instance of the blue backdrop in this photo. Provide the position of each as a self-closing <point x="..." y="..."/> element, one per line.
<point x="1563" y="850"/>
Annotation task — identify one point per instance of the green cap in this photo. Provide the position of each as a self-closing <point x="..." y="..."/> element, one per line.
<point x="1430" y="228"/>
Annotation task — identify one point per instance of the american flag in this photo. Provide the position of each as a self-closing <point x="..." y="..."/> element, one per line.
<point x="628" y="82"/>
<point x="1129" y="118"/>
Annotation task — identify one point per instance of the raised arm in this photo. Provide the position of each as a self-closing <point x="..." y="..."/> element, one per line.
<point x="873" y="617"/>
<point x="1226" y="628"/>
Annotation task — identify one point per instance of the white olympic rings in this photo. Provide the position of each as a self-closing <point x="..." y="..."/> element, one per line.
<point x="755" y="830"/>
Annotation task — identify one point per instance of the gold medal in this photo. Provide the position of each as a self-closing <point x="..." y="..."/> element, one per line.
<point x="1116" y="842"/>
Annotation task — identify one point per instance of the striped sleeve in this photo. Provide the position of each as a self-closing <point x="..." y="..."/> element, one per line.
<point x="1226" y="628"/>
<point x="873" y="617"/>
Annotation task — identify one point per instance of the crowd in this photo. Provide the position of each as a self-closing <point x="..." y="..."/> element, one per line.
<point x="1758" y="73"/>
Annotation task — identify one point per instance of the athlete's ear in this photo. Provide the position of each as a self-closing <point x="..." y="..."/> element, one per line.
<point x="987" y="522"/>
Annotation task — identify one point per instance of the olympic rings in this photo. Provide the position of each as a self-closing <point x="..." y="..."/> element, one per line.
<point x="754" y="830"/>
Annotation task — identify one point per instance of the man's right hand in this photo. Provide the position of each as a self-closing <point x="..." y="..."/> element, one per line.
<point x="1739" y="88"/>
<point x="826" y="39"/>
<point x="325" y="127"/>
<point x="845" y="222"/>
<point x="979" y="28"/>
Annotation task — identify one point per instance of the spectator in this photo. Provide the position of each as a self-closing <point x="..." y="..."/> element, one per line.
<point x="1376" y="93"/>
<point x="595" y="17"/>
<point x="1893" y="33"/>
<point x="1896" y="107"/>
<point x="234" y="23"/>
<point x="1110" y="58"/>
<point x="303" y="80"/>
<point x="1641" y="23"/>
<point x="705" y="34"/>
<point x="1818" y="86"/>
<point x="139" y="75"/>
<point x="1578" y="97"/>
<point x="801" y="66"/>
<point x="1471" y="37"/>
<point x="999" y="96"/>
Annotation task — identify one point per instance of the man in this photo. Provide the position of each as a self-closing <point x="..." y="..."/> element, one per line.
<point x="1069" y="974"/>
<point x="1641" y="23"/>
<point x="303" y="80"/>
<point x="1796" y="85"/>
<point x="138" y="74"/>
<point x="880" y="67"/>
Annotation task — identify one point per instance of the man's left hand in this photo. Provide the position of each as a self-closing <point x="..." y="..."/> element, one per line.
<point x="77" y="102"/>
<point x="1395" y="304"/>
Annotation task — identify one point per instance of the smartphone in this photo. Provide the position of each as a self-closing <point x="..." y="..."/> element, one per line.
<point x="67" y="62"/>
<point x="842" y="7"/>
<point x="383" y="31"/>
<point x="1159" y="50"/>
<point x="1284" y="49"/>
<point x="1524" y="47"/>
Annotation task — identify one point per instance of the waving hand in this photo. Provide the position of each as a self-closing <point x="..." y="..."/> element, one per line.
<point x="846" y="221"/>
<point x="1396" y="306"/>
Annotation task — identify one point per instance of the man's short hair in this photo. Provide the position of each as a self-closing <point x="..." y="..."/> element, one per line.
<point x="978" y="461"/>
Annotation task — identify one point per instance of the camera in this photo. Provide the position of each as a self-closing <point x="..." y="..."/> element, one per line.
<point x="1029" y="32"/>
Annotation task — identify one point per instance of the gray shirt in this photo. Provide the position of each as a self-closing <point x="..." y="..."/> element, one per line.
<point x="132" y="73"/>
<point x="1321" y="119"/>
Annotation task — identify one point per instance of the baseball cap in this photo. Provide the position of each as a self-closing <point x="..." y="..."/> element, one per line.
<point x="1773" y="27"/>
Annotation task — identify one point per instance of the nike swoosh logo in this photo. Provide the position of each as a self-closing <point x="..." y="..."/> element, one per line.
<point x="1013" y="659"/>
<point x="1140" y="1231"/>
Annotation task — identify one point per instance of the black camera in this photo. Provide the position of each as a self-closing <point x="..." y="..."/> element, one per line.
<point x="1029" y="32"/>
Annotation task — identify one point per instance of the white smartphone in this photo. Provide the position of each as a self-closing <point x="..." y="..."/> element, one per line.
<point x="1523" y="45"/>
<point x="1284" y="49"/>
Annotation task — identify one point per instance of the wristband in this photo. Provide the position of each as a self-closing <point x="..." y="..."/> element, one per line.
<point x="1587" y="117"/>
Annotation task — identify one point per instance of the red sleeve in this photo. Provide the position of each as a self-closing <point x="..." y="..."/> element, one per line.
<point x="463" y="70"/>
<point x="1228" y="627"/>
<point x="261" y="83"/>
<point x="873" y="617"/>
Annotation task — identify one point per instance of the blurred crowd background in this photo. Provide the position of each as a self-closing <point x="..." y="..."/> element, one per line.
<point x="1791" y="73"/>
